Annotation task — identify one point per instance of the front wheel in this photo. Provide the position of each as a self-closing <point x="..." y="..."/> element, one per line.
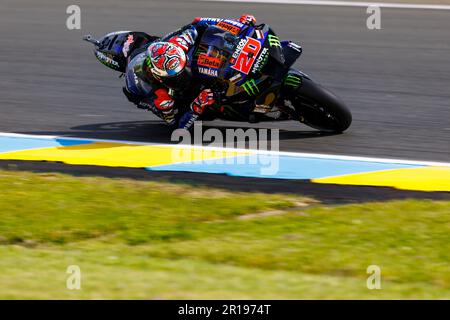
<point x="319" y="108"/>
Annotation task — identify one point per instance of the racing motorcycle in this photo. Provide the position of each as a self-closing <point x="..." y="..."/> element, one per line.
<point x="251" y="71"/>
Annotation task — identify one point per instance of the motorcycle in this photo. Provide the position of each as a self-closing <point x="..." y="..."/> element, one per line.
<point x="251" y="71"/>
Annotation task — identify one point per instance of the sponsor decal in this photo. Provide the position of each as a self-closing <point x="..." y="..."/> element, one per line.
<point x="261" y="61"/>
<point x="208" y="61"/>
<point x="292" y="80"/>
<point x="274" y="41"/>
<point x="191" y="121"/>
<point x="105" y="59"/>
<point x="228" y="27"/>
<point x="245" y="54"/>
<point x="166" y="104"/>
<point x="250" y="87"/>
<point x="239" y="47"/>
<point x="208" y="71"/>
<point x="259" y="34"/>
<point x="213" y="20"/>
<point x="295" y="46"/>
<point x="149" y="106"/>
<point x="126" y="45"/>
<point x="217" y="20"/>
<point x="234" y="23"/>
<point x="173" y="64"/>
<point x="236" y="78"/>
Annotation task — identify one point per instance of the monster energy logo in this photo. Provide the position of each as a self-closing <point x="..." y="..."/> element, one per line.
<point x="292" y="80"/>
<point x="274" y="41"/>
<point x="250" y="87"/>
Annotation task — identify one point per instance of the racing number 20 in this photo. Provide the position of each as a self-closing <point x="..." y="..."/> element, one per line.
<point x="247" y="56"/>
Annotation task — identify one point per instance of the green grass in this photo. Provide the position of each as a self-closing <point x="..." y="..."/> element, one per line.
<point x="149" y="240"/>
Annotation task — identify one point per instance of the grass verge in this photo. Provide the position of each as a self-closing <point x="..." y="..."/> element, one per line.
<point x="136" y="239"/>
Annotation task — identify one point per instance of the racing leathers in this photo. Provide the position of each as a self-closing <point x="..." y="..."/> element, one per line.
<point x="148" y="92"/>
<point x="145" y="90"/>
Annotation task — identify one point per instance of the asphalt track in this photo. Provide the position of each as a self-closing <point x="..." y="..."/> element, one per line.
<point x="395" y="80"/>
<point x="326" y="193"/>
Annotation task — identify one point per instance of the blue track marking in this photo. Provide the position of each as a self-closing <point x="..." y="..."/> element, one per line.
<point x="281" y="167"/>
<point x="9" y="144"/>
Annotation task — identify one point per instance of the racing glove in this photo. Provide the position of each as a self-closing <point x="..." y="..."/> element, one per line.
<point x="161" y="104"/>
<point x="204" y="99"/>
<point x="164" y="104"/>
<point x="248" y="19"/>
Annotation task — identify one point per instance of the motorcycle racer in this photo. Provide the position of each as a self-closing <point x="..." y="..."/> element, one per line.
<point x="159" y="73"/>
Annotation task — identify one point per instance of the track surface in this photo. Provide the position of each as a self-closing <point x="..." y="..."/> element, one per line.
<point x="325" y="193"/>
<point x="395" y="80"/>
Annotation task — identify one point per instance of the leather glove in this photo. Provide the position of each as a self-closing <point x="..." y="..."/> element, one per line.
<point x="248" y="19"/>
<point x="204" y="99"/>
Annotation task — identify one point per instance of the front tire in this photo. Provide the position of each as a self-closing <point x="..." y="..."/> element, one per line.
<point x="319" y="108"/>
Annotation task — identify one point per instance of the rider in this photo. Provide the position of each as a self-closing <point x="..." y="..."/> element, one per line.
<point x="159" y="73"/>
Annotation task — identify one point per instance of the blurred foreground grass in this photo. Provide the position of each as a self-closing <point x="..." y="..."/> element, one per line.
<point x="152" y="240"/>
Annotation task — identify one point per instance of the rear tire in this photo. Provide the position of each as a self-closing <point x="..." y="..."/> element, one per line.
<point x="319" y="108"/>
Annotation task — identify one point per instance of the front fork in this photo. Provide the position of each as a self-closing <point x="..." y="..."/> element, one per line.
<point x="292" y="81"/>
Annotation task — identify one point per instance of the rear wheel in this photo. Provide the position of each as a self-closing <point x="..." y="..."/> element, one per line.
<point x="319" y="108"/>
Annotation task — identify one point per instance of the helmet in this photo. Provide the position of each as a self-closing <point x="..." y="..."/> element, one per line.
<point x="167" y="62"/>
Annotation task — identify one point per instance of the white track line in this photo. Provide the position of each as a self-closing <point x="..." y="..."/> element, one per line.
<point x="264" y="152"/>
<point x="345" y="4"/>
